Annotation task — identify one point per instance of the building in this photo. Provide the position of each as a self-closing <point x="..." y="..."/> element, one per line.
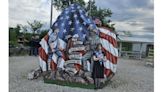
<point x="135" y="46"/>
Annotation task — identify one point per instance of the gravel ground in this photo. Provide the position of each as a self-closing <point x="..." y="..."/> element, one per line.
<point x="131" y="76"/>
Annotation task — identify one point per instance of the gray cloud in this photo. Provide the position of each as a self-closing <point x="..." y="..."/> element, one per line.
<point x="21" y="11"/>
<point x="149" y="28"/>
<point x="136" y="16"/>
<point x="128" y="15"/>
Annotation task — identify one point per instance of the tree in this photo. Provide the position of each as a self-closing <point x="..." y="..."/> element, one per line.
<point x="43" y="33"/>
<point x="93" y="10"/>
<point x="13" y="34"/>
<point x="35" y="25"/>
<point x="98" y="12"/>
<point x="61" y="4"/>
<point x="102" y="14"/>
<point x="17" y="29"/>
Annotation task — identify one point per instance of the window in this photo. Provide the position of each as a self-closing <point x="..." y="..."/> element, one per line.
<point x="126" y="46"/>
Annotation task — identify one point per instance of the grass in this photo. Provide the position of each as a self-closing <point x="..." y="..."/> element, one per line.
<point x="73" y="84"/>
<point x="70" y="84"/>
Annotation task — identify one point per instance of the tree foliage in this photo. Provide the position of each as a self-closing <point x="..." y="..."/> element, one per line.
<point x="43" y="33"/>
<point x="90" y="7"/>
<point x="100" y="13"/>
<point x="14" y="34"/>
<point x="35" y="25"/>
<point x="62" y="4"/>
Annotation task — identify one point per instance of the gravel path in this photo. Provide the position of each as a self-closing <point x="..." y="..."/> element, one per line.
<point x="131" y="76"/>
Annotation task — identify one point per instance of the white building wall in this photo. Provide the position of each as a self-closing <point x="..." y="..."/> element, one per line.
<point x="136" y="47"/>
<point x="144" y="47"/>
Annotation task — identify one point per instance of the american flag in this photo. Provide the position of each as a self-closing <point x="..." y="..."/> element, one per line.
<point x="75" y="21"/>
<point x="109" y="46"/>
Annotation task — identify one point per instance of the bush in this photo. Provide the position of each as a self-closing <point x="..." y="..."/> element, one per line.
<point x="13" y="44"/>
<point x="12" y="35"/>
<point x="43" y="33"/>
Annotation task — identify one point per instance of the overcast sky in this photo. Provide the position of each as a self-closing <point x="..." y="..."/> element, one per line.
<point x="128" y="15"/>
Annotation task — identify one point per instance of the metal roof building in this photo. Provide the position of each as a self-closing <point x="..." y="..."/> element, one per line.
<point x="139" y="44"/>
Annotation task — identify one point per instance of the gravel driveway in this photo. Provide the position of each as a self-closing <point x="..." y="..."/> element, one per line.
<point x="131" y="76"/>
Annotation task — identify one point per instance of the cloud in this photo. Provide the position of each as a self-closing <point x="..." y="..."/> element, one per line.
<point x="128" y="15"/>
<point x="149" y="28"/>
<point x="129" y="26"/>
<point x="21" y="11"/>
<point x="131" y="15"/>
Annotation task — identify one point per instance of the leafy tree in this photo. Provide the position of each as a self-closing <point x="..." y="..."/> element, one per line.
<point x="14" y="34"/>
<point x="43" y="33"/>
<point x="98" y="12"/>
<point x="28" y="36"/>
<point x="93" y="10"/>
<point x="17" y="29"/>
<point x="25" y="30"/>
<point x="35" y="25"/>
<point x="62" y="4"/>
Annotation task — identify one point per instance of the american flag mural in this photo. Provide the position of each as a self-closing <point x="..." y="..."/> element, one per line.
<point x="109" y="46"/>
<point x="75" y="21"/>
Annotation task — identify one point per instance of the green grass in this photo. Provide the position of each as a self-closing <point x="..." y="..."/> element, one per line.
<point x="72" y="84"/>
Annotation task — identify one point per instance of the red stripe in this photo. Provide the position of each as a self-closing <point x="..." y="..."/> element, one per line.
<point x="110" y="56"/>
<point x="46" y="38"/>
<point x="53" y="65"/>
<point x="82" y="52"/>
<point x="43" y="54"/>
<point x="107" y="72"/>
<point x="64" y="55"/>
<point x="77" y="67"/>
<point x="110" y="39"/>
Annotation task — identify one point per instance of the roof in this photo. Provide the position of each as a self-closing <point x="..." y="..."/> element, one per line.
<point x="135" y="36"/>
<point x="139" y="39"/>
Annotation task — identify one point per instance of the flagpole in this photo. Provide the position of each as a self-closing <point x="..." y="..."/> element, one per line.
<point x="51" y="13"/>
<point x="90" y="8"/>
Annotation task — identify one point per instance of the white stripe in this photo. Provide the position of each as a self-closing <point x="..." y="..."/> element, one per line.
<point x="49" y="65"/>
<point x="105" y="31"/>
<point x="110" y="65"/>
<point x="109" y="47"/>
<point x="42" y="64"/>
<point x="61" y="62"/>
<point x="88" y="65"/>
<point x="44" y="45"/>
<point x="73" y="62"/>
<point x="50" y="32"/>
<point x="54" y="58"/>
<point x="62" y="43"/>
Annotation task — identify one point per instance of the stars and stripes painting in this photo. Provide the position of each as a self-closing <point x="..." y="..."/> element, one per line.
<point x="75" y="21"/>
